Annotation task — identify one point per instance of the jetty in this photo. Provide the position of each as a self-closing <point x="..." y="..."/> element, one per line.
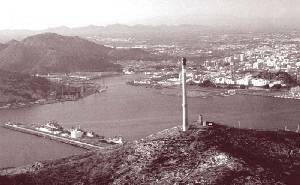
<point x="55" y="137"/>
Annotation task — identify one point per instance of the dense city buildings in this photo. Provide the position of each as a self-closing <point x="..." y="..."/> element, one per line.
<point x="262" y="60"/>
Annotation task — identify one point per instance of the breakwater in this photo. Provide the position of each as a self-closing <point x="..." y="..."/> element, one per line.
<point x="53" y="137"/>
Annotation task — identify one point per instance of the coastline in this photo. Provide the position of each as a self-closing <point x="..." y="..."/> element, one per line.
<point x="65" y="140"/>
<point x="94" y="90"/>
<point x="206" y="92"/>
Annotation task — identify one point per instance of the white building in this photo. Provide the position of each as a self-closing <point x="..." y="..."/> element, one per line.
<point x="43" y="129"/>
<point x="271" y="63"/>
<point x="275" y="83"/>
<point x="259" y="82"/>
<point x="76" y="133"/>
<point x="295" y="91"/>
<point x="116" y="140"/>
<point x="176" y="81"/>
<point x="142" y="82"/>
<point x="90" y="134"/>
<point x="224" y="80"/>
<point x="243" y="81"/>
<point x="53" y="125"/>
<point x="48" y="130"/>
<point x="219" y="80"/>
<point x="128" y="72"/>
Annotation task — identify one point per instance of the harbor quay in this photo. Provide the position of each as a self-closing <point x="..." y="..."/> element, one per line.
<point x="77" y="137"/>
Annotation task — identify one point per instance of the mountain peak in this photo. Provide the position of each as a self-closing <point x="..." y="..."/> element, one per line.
<point x="60" y="28"/>
<point x="51" y="52"/>
<point x="46" y="35"/>
<point x="2" y="46"/>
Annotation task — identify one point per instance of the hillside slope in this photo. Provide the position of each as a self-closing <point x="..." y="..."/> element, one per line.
<point x="215" y="155"/>
<point x="15" y="87"/>
<point x="53" y="53"/>
<point x="2" y="46"/>
<point x="50" y="52"/>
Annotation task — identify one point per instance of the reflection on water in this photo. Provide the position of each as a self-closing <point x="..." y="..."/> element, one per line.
<point x="135" y="112"/>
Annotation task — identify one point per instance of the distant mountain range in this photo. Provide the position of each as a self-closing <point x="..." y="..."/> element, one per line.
<point x="50" y="52"/>
<point x="116" y="30"/>
<point x="119" y="30"/>
<point x="136" y="30"/>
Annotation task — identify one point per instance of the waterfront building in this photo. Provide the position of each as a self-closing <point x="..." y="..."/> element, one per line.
<point x="90" y="134"/>
<point x="259" y="82"/>
<point x="175" y="81"/>
<point x="142" y="82"/>
<point x="243" y="81"/>
<point x="48" y="130"/>
<point x="44" y="129"/>
<point x="295" y="91"/>
<point x="116" y="140"/>
<point x="53" y="125"/>
<point x="224" y="80"/>
<point x="277" y="82"/>
<point x="76" y="133"/>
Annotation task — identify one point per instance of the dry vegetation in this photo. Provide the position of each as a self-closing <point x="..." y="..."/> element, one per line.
<point x="211" y="155"/>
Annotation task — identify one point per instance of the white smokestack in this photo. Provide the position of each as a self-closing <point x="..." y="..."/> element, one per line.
<point x="184" y="102"/>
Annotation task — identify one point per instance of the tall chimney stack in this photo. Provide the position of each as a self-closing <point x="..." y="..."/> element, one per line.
<point x="184" y="101"/>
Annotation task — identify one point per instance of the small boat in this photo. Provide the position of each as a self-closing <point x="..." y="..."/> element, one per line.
<point x="116" y="140"/>
<point x="229" y="92"/>
<point x="100" y="90"/>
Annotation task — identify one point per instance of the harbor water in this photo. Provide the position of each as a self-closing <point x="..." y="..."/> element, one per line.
<point x="135" y="112"/>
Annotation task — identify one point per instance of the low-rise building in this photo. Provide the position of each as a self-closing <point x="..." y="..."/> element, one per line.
<point x="259" y="82"/>
<point x="277" y="82"/>
<point x="76" y="133"/>
<point x="295" y="91"/>
<point x="243" y="81"/>
<point x="224" y="80"/>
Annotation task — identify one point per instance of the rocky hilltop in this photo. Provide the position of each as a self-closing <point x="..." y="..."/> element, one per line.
<point x="202" y="155"/>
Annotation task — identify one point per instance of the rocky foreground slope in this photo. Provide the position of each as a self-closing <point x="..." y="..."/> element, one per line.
<point x="210" y="155"/>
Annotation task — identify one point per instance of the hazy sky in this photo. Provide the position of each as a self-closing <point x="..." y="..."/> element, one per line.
<point x="40" y="14"/>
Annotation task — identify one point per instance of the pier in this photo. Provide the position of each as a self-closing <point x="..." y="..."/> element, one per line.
<point x="53" y="137"/>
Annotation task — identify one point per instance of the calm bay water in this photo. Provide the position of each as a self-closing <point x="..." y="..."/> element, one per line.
<point x="135" y="112"/>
